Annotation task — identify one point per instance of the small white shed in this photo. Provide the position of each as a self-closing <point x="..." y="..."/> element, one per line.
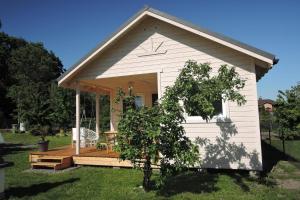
<point x="149" y="51"/>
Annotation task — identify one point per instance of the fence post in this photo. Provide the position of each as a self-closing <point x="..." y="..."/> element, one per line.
<point x="270" y="126"/>
<point x="283" y="141"/>
<point x="270" y="134"/>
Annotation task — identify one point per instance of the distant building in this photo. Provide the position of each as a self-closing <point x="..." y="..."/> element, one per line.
<point x="267" y="104"/>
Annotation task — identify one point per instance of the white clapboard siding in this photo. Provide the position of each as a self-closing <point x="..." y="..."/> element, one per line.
<point x="123" y="58"/>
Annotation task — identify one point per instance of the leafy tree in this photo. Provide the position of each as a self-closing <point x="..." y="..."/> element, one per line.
<point x="32" y="69"/>
<point x="62" y="105"/>
<point x="144" y="133"/>
<point x="7" y="45"/>
<point x="104" y="113"/>
<point x="88" y="108"/>
<point x="138" y="135"/>
<point x="32" y="103"/>
<point x="265" y="119"/>
<point x="28" y="89"/>
<point x="198" y="91"/>
<point x="287" y="111"/>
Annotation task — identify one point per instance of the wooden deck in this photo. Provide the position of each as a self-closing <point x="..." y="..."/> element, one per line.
<point x="69" y="151"/>
<point x="87" y="156"/>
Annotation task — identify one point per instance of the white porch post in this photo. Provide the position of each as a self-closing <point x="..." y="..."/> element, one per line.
<point x="97" y="114"/>
<point x="77" y="120"/>
<point x="111" y="112"/>
<point x="159" y="85"/>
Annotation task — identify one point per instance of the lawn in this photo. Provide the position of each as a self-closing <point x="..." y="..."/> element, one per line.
<point x="108" y="183"/>
<point x="292" y="147"/>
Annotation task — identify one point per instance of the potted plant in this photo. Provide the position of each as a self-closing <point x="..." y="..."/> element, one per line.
<point x="43" y="143"/>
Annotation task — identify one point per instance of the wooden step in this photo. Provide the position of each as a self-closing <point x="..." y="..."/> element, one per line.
<point x="49" y="164"/>
<point x="55" y="166"/>
<point x="55" y="162"/>
<point x="54" y="157"/>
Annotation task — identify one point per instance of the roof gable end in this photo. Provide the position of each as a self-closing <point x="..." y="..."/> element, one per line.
<point x="147" y="11"/>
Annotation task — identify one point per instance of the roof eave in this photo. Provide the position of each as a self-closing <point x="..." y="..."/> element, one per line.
<point x="102" y="43"/>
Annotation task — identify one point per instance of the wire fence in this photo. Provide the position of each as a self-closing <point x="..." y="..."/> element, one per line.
<point x="275" y="136"/>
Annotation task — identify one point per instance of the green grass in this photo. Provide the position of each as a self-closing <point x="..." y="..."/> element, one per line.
<point x="292" y="147"/>
<point x="107" y="183"/>
<point x="28" y="139"/>
<point x="286" y="170"/>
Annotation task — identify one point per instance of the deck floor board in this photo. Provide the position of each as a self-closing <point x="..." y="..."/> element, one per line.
<point x="84" y="152"/>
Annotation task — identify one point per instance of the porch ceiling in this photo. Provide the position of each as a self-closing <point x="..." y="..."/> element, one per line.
<point x="143" y="80"/>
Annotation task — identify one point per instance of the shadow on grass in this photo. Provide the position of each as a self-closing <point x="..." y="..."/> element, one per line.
<point x="9" y="148"/>
<point x="238" y="179"/>
<point x="242" y="178"/>
<point x="201" y="183"/>
<point x="271" y="156"/>
<point x="193" y="182"/>
<point x="35" y="189"/>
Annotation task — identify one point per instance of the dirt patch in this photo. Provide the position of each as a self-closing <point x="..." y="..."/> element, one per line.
<point x="288" y="184"/>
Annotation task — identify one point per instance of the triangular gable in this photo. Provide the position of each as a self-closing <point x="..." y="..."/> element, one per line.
<point x="261" y="55"/>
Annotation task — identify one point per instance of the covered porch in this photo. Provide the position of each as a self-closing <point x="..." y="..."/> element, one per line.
<point x="145" y="88"/>
<point x="82" y="150"/>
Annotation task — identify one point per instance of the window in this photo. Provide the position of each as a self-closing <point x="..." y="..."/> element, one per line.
<point x="218" y="105"/>
<point x="220" y="111"/>
<point x="139" y="101"/>
<point x="154" y="99"/>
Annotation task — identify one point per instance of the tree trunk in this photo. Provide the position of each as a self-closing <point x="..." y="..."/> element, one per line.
<point x="147" y="173"/>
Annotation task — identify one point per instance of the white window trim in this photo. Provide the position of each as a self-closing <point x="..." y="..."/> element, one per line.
<point x="199" y="119"/>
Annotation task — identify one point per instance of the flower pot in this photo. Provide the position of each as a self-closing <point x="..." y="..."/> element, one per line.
<point x="43" y="145"/>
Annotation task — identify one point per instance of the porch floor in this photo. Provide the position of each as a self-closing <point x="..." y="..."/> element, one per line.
<point x="87" y="156"/>
<point x="87" y="151"/>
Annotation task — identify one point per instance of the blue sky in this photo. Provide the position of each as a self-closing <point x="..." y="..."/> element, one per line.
<point x="71" y="28"/>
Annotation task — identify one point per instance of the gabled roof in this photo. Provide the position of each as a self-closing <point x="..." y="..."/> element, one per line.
<point x="147" y="11"/>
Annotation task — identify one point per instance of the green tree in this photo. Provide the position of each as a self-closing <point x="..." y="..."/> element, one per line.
<point x="62" y="106"/>
<point x="28" y="89"/>
<point x="144" y="133"/>
<point x="287" y="111"/>
<point x="7" y="45"/>
<point x="198" y="91"/>
<point x="104" y="113"/>
<point x="32" y="69"/>
<point x="138" y="134"/>
<point x="265" y="119"/>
